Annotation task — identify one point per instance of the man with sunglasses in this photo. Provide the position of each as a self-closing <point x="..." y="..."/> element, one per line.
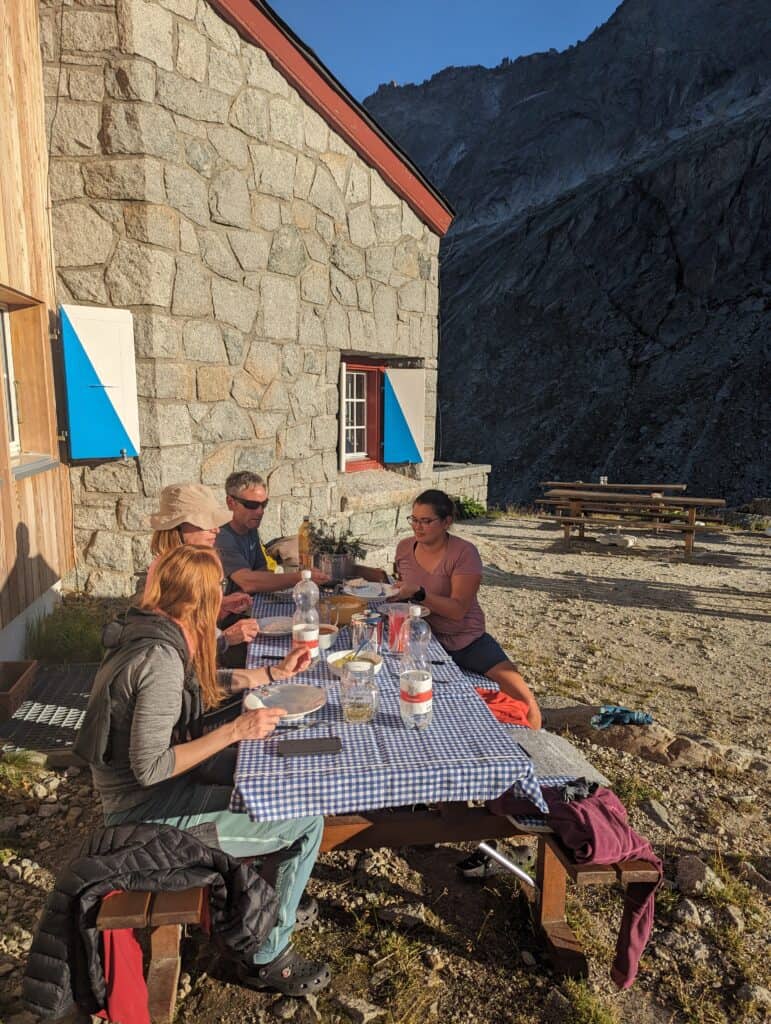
<point x="247" y="564"/>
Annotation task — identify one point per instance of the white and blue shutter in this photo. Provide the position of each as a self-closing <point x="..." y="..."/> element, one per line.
<point x="404" y="414"/>
<point x="100" y="382"/>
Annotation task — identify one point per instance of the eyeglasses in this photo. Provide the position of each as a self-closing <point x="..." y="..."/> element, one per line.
<point x="413" y="521"/>
<point x="250" y="504"/>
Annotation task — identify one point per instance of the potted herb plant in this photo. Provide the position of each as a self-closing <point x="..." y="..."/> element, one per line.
<point x="335" y="550"/>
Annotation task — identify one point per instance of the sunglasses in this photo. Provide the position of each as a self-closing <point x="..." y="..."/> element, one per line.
<point x="250" y="504"/>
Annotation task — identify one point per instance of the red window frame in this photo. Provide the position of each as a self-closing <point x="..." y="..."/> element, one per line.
<point x="374" y="381"/>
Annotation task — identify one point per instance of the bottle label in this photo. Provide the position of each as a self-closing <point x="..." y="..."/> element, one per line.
<point x="307" y="637"/>
<point x="415" y="687"/>
<point x="415" y="698"/>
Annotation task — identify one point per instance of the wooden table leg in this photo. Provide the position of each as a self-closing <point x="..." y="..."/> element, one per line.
<point x="564" y="948"/>
<point x="688" y="535"/>
<point x="163" y="973"/>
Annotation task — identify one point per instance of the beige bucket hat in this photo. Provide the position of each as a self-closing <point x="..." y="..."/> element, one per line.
<point x="189" y="503"/>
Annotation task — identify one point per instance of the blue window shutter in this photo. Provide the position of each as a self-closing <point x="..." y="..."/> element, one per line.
<point x="100" y="382"/>
<point x="404" y="411"/>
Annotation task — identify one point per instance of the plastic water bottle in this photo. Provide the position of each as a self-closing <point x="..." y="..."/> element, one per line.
<point x="416" y="638"/>
<point x="305" y="621"/>
<point x="415" y="683"/>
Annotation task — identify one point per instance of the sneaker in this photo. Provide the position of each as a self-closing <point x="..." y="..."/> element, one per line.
<point x="480" y="864"/>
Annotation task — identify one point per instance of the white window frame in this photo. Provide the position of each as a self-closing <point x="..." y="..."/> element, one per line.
<point x="351" y="426"/>
<point x="9" y="384"/>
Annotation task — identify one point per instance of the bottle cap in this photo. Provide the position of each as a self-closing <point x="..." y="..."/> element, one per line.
<point x="415" y="610"/>
<point x="305" y="574"/>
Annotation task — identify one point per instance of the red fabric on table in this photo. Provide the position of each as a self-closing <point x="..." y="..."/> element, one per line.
<point x="505" y="708"/>
<point x="123" y="975"/>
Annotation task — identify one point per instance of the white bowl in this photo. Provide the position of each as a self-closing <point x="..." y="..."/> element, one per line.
<point x="326" y="639"/>
<point x="336" y="660"/>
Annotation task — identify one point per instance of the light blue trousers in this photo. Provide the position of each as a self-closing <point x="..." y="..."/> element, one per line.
<point x="191" y="806"/>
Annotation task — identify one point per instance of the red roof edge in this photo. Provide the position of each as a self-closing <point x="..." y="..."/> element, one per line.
<point x="322" y="91"/>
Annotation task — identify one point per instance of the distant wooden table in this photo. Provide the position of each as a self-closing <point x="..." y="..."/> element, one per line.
<point x="596" y="505"/>
<point x="581" y="485"/>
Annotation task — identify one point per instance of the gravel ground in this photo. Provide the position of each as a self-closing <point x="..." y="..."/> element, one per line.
<point x="411" y="942"/>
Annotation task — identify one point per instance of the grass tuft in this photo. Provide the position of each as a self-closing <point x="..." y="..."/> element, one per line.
<point x="632" y="792"/>
<point x="586" y="1007"/>
<point x="73" y="630"/>
<point x="16" y="766"/>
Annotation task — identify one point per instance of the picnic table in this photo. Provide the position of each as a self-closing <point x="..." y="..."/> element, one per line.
<point x="581" y="485"/>
<point x="633" y="506"/>
<point x="391" y="786"/>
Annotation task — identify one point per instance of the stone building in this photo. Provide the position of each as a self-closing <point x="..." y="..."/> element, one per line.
<point x="210" y="175"/>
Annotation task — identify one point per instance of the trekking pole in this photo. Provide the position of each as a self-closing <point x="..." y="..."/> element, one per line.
<point x="510" y="865"/>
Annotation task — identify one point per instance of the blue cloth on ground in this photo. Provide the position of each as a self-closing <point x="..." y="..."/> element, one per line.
<point x="614" y="714"/>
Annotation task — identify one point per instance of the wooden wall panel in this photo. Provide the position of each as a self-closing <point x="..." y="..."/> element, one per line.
<point x="26" y="262"/>
<point x="36" y="535"/>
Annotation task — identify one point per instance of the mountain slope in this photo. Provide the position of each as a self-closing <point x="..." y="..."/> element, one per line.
<point x="605" y="288"/>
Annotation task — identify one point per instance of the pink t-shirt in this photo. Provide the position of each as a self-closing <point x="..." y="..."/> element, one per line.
<point x="460" y="559"/>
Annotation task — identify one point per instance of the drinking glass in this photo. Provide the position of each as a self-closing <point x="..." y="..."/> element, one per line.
<point x="359" y="695"/>
<point x="397" y="616"/>
<point x="328" y="611"/>
<point x="366" y="632"/>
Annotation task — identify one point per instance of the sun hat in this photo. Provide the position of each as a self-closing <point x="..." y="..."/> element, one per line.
<point x="189" y="503"/>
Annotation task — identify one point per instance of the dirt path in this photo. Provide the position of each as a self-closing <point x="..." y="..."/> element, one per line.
<point x="688" y="641"/>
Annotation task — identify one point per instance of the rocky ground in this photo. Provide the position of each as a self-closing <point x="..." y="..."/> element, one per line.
<point x="411" y="942"/>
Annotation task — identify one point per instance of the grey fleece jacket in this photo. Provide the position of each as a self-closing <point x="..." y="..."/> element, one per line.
<point x="145" y="699"/>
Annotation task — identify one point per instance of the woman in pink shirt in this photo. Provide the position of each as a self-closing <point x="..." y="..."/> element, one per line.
<point x="444" y="572"/>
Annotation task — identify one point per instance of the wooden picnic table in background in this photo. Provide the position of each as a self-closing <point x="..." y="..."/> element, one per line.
<point x="623" y="505"/>
<point x="582" y="485"/>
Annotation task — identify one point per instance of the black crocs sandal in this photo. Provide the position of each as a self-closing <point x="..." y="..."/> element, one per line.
<point x="307" y="913"/>
<point x="290" y="973"/>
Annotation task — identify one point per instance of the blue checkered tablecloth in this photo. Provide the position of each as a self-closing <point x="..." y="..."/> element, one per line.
<point x="466" y="754"/>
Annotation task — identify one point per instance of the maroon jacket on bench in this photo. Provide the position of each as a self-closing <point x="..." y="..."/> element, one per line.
<point x="596" y="831"/>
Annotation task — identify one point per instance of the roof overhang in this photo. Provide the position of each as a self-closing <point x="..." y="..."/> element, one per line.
<point x="256" y="22"/>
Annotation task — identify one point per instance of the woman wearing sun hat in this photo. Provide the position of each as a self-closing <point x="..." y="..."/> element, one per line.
<point x="190" y="514"/>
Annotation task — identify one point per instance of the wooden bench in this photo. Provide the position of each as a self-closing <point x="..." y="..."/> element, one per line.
<point x="164" y="914"/>
<point x="450" y="823"/>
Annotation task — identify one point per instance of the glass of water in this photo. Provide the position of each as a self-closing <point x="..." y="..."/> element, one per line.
<point x="359" y="695"/>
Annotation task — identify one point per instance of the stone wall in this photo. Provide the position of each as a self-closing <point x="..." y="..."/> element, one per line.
<point x="193" y="186"/>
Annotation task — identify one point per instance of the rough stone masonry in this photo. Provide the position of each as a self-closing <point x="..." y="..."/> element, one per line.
<point x="192" y="185"/>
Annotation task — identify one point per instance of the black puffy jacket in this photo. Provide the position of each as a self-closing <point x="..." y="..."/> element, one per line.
<point x="64" y="964"/>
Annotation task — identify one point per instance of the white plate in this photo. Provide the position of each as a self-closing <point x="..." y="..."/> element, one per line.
<point x="371" y="591"/>
<point x="276" y="625"/>
<point x="296" y="699"/>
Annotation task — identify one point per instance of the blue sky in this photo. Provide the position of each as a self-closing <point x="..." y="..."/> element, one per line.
<point x="367" y="42"/>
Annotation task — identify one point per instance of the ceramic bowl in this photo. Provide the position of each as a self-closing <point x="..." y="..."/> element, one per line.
<point x="327" y="635"/>
<point x="346" y="607"/>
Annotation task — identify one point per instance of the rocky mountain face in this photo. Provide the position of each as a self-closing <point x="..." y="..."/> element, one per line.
<point x="606" y="286"/>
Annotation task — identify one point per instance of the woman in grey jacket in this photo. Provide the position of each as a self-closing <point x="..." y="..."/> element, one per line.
<point x="142" y="737"/>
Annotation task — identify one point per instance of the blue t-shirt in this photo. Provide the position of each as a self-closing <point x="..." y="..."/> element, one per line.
<point x="239" y="551"/>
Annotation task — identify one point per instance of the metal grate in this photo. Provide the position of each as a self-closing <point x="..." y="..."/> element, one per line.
<point x="51" y="715"/>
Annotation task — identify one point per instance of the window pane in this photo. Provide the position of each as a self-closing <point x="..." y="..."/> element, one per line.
<point x="356" y="411"/>
<point x="10" y="396"/>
